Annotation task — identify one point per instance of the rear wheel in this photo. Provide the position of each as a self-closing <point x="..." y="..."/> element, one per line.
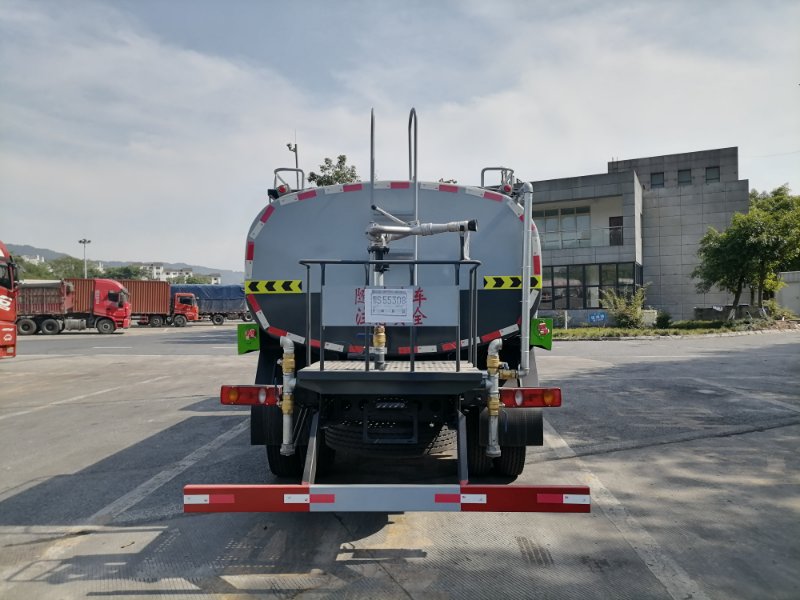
<point x="179" y="321"/>
<point x="50" y="327"/>
<point x="511" y="460"/>
<point x="26" y="326"/>
<point x="285" y="466"/>
<point x="106" y="326"/>
<point x="217" y="319"/>
<point x="479" y="464"/>
<point x="156" y="320"/>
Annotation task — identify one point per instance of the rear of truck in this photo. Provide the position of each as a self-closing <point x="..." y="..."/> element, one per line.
<point x="389" y="316"/>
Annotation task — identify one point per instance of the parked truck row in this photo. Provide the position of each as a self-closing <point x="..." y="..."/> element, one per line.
<point x="52" y="306"/>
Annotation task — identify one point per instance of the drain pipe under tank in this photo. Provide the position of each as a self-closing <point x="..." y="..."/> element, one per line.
<point x="287" y="401"/>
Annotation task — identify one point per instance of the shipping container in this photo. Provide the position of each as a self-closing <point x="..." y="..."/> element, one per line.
<point x="148" y="297"/>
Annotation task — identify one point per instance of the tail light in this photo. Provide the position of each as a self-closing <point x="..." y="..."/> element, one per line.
<point x="507" y="188"/>
<point x="252" y="395"/>
<point x="530" y="397"/>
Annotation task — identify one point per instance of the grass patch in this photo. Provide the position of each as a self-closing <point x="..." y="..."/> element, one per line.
<point x="678" y="328"/>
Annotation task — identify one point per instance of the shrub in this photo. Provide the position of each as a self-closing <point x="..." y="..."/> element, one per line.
<point x="778" y="312"/>
<point x="663" y="319"/>
<point x="626" y="309"/>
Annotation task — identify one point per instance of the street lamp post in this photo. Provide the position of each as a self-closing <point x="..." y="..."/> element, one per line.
<point x="293" y="148"/>
<point x="84" y="241"/>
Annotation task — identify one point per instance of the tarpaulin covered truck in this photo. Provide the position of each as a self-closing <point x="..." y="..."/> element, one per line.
<point x="217" y="302"/>
<point x="53" y="306"/>
<point x="389" y="317"/>
<point x="8" y="304"/>
<point x="153" y="303"/>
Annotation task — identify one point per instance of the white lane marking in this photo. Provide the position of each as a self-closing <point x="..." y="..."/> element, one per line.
<point x="111" y="347"/>
<point x="678" y="583"/>
<point x="139" y="493"/>
<point x="81" y="397"/>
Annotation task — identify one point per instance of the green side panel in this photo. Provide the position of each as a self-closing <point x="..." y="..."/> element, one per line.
<point x="247" y="335"/>
<point x="542" y="333"/>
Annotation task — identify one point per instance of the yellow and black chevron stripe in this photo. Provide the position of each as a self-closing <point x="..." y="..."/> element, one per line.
<point x="509" y="282"/>
<point x="274" y="286"/>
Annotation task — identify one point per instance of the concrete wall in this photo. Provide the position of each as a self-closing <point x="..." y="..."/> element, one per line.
<point x="662" y="227"/>
<point x="674" y="219"/>
<point x="789" y="296"/>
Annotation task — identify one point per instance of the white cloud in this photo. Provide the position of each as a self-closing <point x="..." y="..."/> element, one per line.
<point x="160" y="151"/>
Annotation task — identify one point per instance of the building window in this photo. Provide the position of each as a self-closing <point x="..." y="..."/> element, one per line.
<point x="615" y="237"/>
<point x="685" y="177"/>
<point x="712" y="174"/>
<point x="576" y="287"/>
<point x="564" y="227"/>
<point x="656" y="180"/>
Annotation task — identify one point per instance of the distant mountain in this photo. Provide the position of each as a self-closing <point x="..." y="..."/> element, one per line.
<point x="228" y="276"/>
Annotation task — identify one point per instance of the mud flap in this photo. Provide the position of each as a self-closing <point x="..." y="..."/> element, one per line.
<point x="517" y="427"/>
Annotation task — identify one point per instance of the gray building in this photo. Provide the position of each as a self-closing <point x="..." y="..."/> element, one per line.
<point x="640" y="223"/>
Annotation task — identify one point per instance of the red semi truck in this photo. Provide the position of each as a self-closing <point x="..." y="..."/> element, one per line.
<point x="154" y="304"/>
<point x="8" y="304"/>
<point x="51" y="307"/>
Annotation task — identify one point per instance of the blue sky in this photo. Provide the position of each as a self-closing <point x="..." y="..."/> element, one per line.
<point x="152" y="127"/>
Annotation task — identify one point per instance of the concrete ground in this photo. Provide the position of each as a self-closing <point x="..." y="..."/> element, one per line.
<point x="689" y="446"/>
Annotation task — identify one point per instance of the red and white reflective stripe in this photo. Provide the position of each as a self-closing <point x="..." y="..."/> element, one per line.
<point x="297" y="339"/>
<point x="276" y="332"/>
<point x="481" y="193"/>
<point x="338" y="189"/>
<point x="386" y="498"/>
<point x="256" y="309"/>
<point x="334" y="347"/>
<point x="440" y="187"/>
<point x="418" y="349"/>
<point x="392" y="185"/>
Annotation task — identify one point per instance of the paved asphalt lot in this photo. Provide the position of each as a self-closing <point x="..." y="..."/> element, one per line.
<point x="689" y="446"/>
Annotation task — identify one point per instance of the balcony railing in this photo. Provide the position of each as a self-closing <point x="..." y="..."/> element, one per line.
<point x="598" y="237"/>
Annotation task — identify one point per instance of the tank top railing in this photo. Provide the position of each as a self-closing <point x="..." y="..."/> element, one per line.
<point x="472" y="339"/>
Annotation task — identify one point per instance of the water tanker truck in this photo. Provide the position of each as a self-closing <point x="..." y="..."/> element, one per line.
<point x="53" y="306"/>
<point x="392" y="320"/>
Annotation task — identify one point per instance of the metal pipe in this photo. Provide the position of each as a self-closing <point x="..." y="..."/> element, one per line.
<point x="412" y="175"/>
<point x="493" y="369"/>
<point x="287" y="401"/>
<point x="527" y="272"/>
<point x="379" y="343"/>
<point x="400" y="231"/>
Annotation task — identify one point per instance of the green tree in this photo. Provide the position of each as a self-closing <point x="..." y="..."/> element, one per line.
<point x="774" y="220"/>
<point x="126" y="272"/>
<point x="192" y="279"/>
<point x="754" y="249"/>
<point x="332" y="174"/>
<point x="29" y="270"/>
<point x="67" y="266"/>
<point x="726" y="260"/>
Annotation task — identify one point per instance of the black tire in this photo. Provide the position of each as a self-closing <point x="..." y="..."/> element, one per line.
<point x="216" y="319"/>
<point x="106" y="326"/>
<point x="348" y="437"/>
<point x="26" y="326"/>
<point x="50" y="327"/>
<point x="285" y="466"/>
<point x="247" y="317"/>
<point x="511" y="461"/>
<point x="479" y="464"/>
<point x="156" y="321"/>
<point x="179" y="321"/>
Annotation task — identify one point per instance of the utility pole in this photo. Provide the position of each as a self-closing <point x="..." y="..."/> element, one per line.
<point x="84" y="241"/>
<point x="293" y="148"/>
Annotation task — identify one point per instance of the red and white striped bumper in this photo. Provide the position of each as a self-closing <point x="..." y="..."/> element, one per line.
<point x="386" y="498"/>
